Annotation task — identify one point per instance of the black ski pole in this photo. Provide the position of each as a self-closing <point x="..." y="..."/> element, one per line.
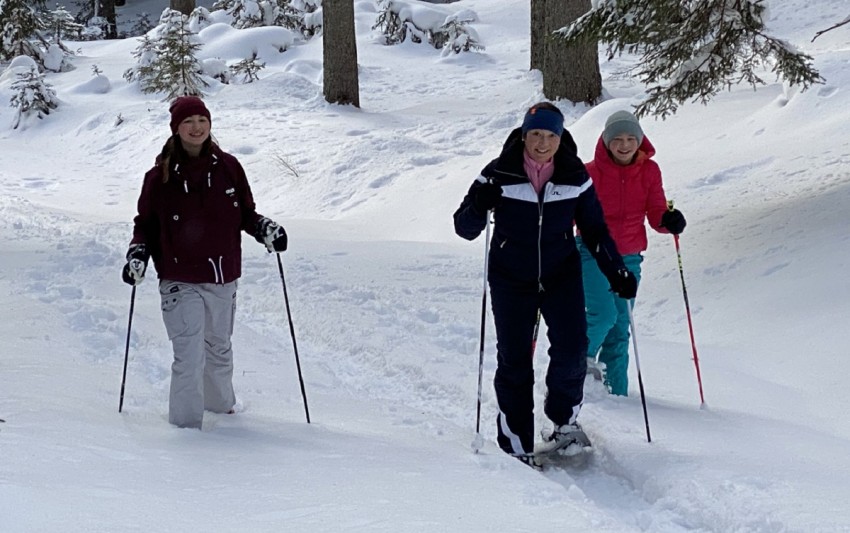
<point x="292" y="332"/>
<point x="127" y="349"/>
<point x="478" y="443"/>
<point x="637" y="364"/>
<point x="536" y="331"/>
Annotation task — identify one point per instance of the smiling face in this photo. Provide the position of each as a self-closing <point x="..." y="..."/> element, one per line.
<point x="541" y="145"/>
<point x="623" y="148"/>
<point x="194" y="131"/>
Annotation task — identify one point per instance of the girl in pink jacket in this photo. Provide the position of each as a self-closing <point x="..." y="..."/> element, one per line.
<point x="628" y="183"/>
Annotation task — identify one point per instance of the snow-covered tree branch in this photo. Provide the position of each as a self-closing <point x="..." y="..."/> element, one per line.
<point x="692" y="49"/>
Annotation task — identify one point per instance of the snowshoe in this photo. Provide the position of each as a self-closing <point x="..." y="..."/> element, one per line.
<point x="567" y="439"/>
<point x="596" y="369"/>
<point x="531" y="460"/>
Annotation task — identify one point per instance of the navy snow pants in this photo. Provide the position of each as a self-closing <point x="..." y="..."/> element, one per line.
<point x="515" y="311"/>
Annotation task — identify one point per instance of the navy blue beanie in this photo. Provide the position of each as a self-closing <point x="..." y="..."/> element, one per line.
<point x="540" y="118"/>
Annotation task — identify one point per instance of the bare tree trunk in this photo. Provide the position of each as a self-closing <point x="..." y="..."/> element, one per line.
<point x="570" y="72"/>
<point x="339" y="52"/>
<point x="107" y="11"/>
<point x="184" y="6"/>
<point x="537" y="33"/>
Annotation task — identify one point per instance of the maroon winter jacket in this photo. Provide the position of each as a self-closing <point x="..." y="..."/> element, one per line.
<point x="191" y="224"/>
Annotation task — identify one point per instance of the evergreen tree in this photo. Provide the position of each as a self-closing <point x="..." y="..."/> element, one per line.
<point x="167" y="63"/>
<point x="245" y="71"/>
<point x="285" y="13"/>
<point x="691" y="49"/>
<point x="20" y="22"/>
<point x="62" y="25"/>
<point x="33" y="96"/>
<point x="140" y="26"/>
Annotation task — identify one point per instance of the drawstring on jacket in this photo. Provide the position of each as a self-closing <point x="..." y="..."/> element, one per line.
<point x="218" y="271"/>
<point x="214" y="162"/>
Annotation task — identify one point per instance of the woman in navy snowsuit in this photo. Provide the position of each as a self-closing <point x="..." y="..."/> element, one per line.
<point x="535" y="189"/>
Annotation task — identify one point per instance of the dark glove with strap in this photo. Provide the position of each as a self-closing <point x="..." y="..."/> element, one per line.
<point x="271" y="234"/>
<point x="486" y="197"/>
<point x="674" y="221"/>
<point x="133" y="272"/>
<point x="623" y="284"/>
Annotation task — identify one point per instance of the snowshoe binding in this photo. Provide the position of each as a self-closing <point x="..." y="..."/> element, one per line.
<point x="564" y="440"/>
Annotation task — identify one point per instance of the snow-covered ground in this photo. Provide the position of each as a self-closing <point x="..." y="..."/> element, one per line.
<point x="385" y="301"/>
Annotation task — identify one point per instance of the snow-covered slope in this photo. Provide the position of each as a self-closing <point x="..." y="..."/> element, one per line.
<point x="385" y="302"/>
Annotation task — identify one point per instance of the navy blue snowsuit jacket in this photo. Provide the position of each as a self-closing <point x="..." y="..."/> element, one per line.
<point x="533" y="244"/>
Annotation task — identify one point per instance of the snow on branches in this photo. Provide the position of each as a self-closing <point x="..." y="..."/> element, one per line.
<point x="33" y="96"/>
<point x="692" y="49"/>
<point x="166" y="59"/>
<point x="421" y="22"/>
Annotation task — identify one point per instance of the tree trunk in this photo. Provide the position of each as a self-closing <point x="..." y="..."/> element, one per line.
<point x="184" y="6"/>
<point x="537" y="33"/>
<point x="339" y="52"/>
<point x="107" y="11"/>
<point x="570" y="72"/>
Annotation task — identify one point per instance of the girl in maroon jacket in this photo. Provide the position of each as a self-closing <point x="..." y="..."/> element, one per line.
<point x="194" y="204"/>
<point x="628" y="184"/>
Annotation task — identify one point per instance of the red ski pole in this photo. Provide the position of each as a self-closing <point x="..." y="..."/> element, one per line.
<point x="688" y="312"/>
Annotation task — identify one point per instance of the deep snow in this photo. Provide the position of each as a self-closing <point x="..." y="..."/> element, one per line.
<point x="385" y="301"/>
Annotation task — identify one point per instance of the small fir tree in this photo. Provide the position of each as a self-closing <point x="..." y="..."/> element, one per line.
<point x="20" y="24"/>
<point x="167" y="63"/>
<point x="32" y="96"/>
<point x="140" y="26"/>
<point x="62" y="25"/>
<point x="246" y="70"/>
<point x="459" y="37"/>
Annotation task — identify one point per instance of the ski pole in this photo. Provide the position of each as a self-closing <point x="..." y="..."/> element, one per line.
<point x="629" y="304"/>
<point x="536" y="331"/>
<point x="688" y="312"/>
<point x="127" y="349"/>
<point x="478" y="442"/>
<point x="292" y="332"/>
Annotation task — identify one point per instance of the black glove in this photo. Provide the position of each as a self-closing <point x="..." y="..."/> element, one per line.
<point x="674" y="221"/>
<point x="487" y="197"/>
<point x="137" y="262"/>
<point x="268" y="232"/>
<point x="624" y="284"/>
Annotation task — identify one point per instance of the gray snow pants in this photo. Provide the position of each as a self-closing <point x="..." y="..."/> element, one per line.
<point x="199" y="320"/>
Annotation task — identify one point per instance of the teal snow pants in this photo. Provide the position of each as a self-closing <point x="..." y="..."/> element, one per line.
<point x="607" y="320"/>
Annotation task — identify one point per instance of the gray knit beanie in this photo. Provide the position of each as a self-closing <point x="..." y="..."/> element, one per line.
<point x="619" y="123"/>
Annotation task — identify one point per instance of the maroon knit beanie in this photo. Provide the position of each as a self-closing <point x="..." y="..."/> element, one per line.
<point x="186" y="106"/>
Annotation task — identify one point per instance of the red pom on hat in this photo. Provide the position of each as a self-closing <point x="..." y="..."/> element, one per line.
<point x="186" y="106"/>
